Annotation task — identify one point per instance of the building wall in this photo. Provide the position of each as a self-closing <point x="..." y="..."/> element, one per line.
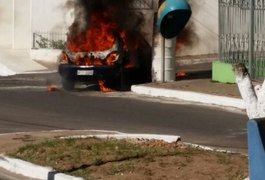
<point x="6" y="23"/>
<point x="15" y="24"/>
<point x="19" y="18"/>
<point x="22" y="24"/>
<point x="54" y="15"/>
<point x="51" y="15"/>
<point x="201" y="33"/>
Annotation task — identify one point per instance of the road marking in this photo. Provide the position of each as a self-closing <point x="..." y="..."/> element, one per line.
<point x="23" y="87"/>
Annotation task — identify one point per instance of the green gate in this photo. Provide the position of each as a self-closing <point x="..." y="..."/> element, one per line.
<point x="242" y="34"/>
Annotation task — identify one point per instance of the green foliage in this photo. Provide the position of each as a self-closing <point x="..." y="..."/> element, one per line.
<point x="44" y="42"/>
<point x="59" y="44"/>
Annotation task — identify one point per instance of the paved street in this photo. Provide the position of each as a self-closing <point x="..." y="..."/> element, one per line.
<point x="26" y="105"/>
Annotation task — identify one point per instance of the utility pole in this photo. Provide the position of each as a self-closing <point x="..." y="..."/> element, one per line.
<point x="162" y="59"/>
<point x="251" y="38"/>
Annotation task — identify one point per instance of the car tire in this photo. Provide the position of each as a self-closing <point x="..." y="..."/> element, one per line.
<point x="122" y="80"/>
<point x="68" y="84"/>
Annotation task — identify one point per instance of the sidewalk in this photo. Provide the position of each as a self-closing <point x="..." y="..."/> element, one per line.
<point x="193" y="83"/>
<point x="13" y="61"/>
<point x="195" y="90"/>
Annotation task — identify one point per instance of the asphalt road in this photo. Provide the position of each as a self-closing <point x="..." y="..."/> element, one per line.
<point x="26" y="105"/>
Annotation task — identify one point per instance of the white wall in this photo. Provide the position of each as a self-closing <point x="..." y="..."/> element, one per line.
<point x="203" y="26"/>
<point x="19" y="18"/>
<point x="22" y="24"/>
<point x="6" y="23"/>
<point x="15" y="24"/>
<point x="50" y="15"/>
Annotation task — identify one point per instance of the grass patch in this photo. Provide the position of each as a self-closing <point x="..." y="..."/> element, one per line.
<point x="94" y="158"/>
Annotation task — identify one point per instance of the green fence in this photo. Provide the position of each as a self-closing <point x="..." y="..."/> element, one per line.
<point x="242" y="34"/>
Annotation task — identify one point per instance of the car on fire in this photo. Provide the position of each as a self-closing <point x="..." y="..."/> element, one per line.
<point x="109" y="67"/>
<point x="115" y="68"/>
<point x="72" y="73"/>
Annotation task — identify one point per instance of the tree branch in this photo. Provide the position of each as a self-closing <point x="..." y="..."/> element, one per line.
<point x="253" y="97"/>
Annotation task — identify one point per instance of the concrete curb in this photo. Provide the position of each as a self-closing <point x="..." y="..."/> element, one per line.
<point x="189" y="96"/>
<point x="166" y="138"/>
<point x="31" y="170"/>
<point x="34" y="171"/>
<point x="17" y="61"/>
<point x="5" y="71"/>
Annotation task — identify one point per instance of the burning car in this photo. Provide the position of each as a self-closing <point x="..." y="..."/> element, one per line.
<point x="108" y="68"/>
<point x="105" y="44"/>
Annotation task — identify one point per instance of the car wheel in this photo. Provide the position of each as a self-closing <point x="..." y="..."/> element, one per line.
<point x="122" y="80"/>
<point x="68" y="84"/>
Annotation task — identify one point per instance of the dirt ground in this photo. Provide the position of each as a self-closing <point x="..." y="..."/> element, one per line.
<point x="12" y="141"/>
<point x="197" y="165"/>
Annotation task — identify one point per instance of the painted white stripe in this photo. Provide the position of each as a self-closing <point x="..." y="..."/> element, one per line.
<point x="166" y="138"/>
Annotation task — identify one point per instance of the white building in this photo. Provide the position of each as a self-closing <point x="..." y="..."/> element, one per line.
<point x="19" y="18"/>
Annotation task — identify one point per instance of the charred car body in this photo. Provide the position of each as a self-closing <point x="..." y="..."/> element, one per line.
<point x="105" y="43"/>
<point x="113" y="67"/>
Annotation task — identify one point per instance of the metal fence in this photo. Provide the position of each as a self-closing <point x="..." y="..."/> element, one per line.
<point x="143" y="4"/>
<point x="242" y="34"/>
<point x="49" y="40"/>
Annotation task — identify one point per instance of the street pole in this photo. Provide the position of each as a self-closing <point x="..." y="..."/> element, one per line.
<point x="251" y="38"/>
<point x="162" y="59"/>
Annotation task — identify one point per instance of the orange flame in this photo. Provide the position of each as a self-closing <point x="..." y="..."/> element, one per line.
<point x="87" y="60"/>
<point x="111" y="58"/>
<point x="98" y="36"/>
<point x="181" y="74"/>
<point x="179" y="45"/>
<point x="63" y="58"/>
<point x="52" y="88"/>
<point x="103" y="88"/>
<point x="129" y="65"/>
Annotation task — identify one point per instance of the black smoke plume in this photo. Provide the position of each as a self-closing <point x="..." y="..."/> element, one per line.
<point x="117" y="11"/>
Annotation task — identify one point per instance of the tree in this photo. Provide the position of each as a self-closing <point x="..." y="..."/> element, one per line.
<point x="254" y="97"/>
